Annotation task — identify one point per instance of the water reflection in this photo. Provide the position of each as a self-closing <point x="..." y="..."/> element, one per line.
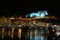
<point x="12" y="32"/>
<point x="3" y="33"/>
<point x="20" y="33"/>
<point x="38" y="34"/>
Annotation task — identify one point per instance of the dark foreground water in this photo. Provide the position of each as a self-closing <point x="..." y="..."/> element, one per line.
<point x="23" y="34"/>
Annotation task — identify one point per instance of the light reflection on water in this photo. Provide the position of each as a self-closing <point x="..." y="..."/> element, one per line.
<point x="38" y="35"/>
<point x="34" y="34"/>
<point x="12" y="32"/>
<point x="3" y="33"/>
<point x="19" y="33"/>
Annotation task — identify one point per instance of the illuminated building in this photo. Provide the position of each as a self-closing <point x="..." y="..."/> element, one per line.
<point x="37" y="18"/>
<point x="38" y="14"/>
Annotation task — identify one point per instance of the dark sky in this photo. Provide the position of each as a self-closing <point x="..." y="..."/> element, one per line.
<point x="23" y="7"/>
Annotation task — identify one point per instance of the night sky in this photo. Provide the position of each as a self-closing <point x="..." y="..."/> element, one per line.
<point x="23" y="7"/>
